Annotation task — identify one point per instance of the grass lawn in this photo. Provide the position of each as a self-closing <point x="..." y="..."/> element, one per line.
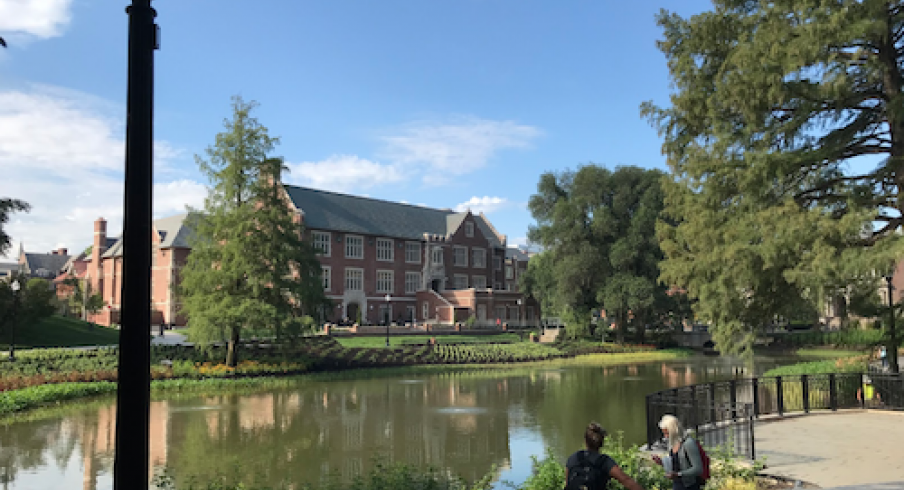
<point x="57" y="331"/>
<point x="829" y="353"/>
<point x="397" y="340"/>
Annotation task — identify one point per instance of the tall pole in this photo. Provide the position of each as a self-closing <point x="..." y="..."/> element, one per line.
<point x="891" y="348"/>
<point x="388" y="315"/>
<point x="130" y="466"/>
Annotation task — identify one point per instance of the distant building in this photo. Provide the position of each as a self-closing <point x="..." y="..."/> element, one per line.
<point x="44" y="265"/>
<point x="436" y="265"/>
<point x="7" y="269"/>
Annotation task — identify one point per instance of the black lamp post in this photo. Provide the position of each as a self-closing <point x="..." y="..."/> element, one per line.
<point x="12" y="330"/>
<point x="891" y="350"/>
<point x="388" y="298"/>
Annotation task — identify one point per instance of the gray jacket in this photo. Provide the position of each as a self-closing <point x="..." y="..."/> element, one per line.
<point x="690" y="463"/>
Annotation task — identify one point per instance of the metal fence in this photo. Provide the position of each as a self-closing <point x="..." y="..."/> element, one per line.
<point x="722" y="412"/>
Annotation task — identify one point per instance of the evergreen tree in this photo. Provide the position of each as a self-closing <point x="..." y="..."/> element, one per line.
<point x="249" y="267"/>
<point x="598" y="228"/>
<point x="7" y="207"/>
<point x="785" y="136"/>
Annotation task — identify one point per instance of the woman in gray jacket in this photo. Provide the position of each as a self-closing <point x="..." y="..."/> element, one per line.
<point x="684" y="456"/>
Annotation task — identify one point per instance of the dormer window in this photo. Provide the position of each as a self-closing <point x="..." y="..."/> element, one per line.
<point x="469" y="229"/>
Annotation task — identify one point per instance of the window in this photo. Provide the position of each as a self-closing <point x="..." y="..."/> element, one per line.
<point x="413" y="252"/>
<point x="412" y="282"/>
<point x="500" y="312"/>
<point x="482" y="312"/>
<point x="326" y="273"/>
<point x="497" y="263"/>
<point x="354" y="279"/>
<point x="425" y="310"/>
<point x="460" y="257"/>
<point x="469" y="229"/>
<point x="384" y="249"/>
<point x="478" y="258"/>
<point x="461" y="281"/>
<point x="513" y="312"/>
<point x="384" y="281"/>
<point x="385" y="314"/>
<point x="479" y="282"/>
<point x="410" y="312"/>
<point x="437" y="255"/>
<point x="497" y="285"/>
<point x="321" y="241"/>
<point x="354" y="247"/>
<point x="510" y="285"/>
<point x="509" y="272"/>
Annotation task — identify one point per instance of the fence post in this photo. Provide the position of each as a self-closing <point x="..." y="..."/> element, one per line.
<point x="833" y="393"/>
<point x="649" y="428"/>
<point x="733" y="398"/>
<point x="752" y="439"/>
<point x="805" y="388"/>
<point x="755" y="383"/>
<point x="780" y="399"/>
<point x="695" y="415"/>
<point x="712" y="403"/>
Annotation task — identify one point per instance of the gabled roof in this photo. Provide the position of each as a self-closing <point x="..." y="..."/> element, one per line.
<point x="331" y="211"/>
<point x="51" y="263"/>
<point x="172" y="233"/>
<point x="517" y="254"/>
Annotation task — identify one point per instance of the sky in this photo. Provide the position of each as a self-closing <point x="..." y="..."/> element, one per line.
<point x="459" y="104"/>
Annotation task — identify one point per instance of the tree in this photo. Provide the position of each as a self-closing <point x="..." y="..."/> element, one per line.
<point x="7" y="207"/>
<point x="785" y="136"/>
<point x="249" y="267"/>
<point x="598" y="228"/>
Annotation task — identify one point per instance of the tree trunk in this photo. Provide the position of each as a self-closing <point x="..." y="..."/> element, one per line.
<point x="621" y="326"/>
<point x="232" y="349"/>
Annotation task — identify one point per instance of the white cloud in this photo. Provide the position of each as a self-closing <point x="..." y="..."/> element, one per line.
<point x="485" y="204"/>
<point x="344" y="173"/>
<point x="34" y="18"/>
<point x="63" y="153"/>
<point x="440" y="150"/>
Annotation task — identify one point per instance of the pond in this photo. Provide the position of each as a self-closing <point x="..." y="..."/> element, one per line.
<point x="467" y="422"/>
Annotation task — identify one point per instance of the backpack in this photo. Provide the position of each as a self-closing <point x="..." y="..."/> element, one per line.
<point x="586" y="475"/>
<point x="705" y="474"/>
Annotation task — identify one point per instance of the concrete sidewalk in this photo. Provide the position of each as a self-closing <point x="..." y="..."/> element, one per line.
<point x="846" y="449"/>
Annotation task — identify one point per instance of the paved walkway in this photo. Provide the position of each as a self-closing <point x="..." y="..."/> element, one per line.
<point x="852" y="449"/>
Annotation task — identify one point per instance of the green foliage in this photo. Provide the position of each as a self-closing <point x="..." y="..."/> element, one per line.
<point x="58" y="331"/>
<point x="598" y="229"/>
<point x="18" y="400"/>
<point x="844" y="365"/>
<point x="772" y="101"/>
<point x="7" y="207"/>
<point x="249" y="267"/>
<point x="840" y="338"/>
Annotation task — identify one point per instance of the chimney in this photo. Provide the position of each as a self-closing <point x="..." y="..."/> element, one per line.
<point x="62" y="251"/>
<point x="97" y="249"/>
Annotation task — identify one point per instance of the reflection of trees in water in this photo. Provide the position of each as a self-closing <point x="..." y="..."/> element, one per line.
<point x="340" y="427"/>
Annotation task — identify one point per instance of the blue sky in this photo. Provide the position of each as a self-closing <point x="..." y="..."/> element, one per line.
<point x="449" y="104"/>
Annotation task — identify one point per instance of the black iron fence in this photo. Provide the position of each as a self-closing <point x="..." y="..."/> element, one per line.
<point x="722" y="412"/>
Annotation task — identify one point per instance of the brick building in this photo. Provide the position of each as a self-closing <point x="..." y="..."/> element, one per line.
<point x="436" y="265"/>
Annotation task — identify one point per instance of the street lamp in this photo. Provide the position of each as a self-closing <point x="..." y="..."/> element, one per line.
<point x="12" y="340"/>
<point x="520" y="316"/>
<point x="891" y="350"/>
<point x="388" y="298"/>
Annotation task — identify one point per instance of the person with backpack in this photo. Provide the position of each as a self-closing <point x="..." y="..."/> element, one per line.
<point x="589" y="470"/>
<point x="690" y="464"/>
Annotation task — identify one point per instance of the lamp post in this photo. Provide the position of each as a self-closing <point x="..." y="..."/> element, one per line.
<point x="388" y="298"/>
<point x="520" y="316"/>
<point x="892" y="349"/>
<point x="12" y="331"/>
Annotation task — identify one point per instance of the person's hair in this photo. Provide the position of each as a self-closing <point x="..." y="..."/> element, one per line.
<point x="593" y="436"/>
<point x="673" y="425"/>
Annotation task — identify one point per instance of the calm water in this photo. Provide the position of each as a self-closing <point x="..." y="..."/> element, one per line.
<point x="465" y="422"/>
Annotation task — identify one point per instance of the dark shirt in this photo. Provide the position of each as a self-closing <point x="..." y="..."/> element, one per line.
<point x="601" y="461"/>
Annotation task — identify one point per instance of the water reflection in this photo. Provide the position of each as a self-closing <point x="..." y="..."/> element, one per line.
<point x="466" y="422"/>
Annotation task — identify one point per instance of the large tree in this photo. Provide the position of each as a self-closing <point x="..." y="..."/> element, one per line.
<point x="785" y="135"/>
<point x="7" y="207"/>
<point x="249" y="267"/>
<point x="598" y="231"/>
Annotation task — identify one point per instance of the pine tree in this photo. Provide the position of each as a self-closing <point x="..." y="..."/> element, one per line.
<point x="773" y="206"/>
<point x="249" y="268"/>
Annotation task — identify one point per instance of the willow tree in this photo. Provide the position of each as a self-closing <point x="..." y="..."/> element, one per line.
<point x="785" y="136"/>
<point x="249" y="268"/>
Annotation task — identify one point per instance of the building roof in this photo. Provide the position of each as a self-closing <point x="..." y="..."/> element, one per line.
<point x="516" y="254"/>
<point x="332" y="211"/>
<point x="52" y="263"/>
<point x="172" y="233"/>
